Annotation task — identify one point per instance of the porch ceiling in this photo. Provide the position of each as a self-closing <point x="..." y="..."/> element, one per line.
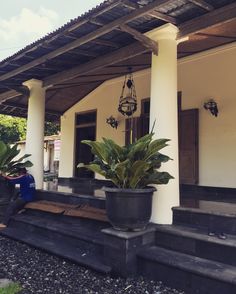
<point x="75" y="59"/>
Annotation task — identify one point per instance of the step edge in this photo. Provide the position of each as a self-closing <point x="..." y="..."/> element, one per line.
<point x="198" y="236"/>
<point x="82" y="262"/>
<point x="201" y="211"/>
<point x="66" y="194"/>
<point x="66" y="233"/>
<point x="143" y="254"/>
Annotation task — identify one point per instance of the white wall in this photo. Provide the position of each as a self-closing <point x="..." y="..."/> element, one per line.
<point x="48" y="154"/>
<point x="200" y="77"/>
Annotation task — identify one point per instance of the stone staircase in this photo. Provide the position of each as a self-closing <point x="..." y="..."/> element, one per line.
<point x="181" y="255"/>
<point x="77" y="239"/>
<point x="185" y="257"/>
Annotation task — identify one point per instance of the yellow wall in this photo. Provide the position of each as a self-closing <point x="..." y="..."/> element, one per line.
<point x="200" y="77"/>
<point x="213" y="75"/>
<point x="105" y="100"/>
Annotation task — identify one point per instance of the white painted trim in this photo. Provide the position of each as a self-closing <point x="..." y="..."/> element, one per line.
<point x="207" y="53"/>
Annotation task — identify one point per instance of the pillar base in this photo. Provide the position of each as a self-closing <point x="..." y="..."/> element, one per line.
<point x="121" y="248"/>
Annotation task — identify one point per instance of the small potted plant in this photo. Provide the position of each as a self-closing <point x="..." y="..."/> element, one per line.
<point x="9" y="166"/>
<point x="132" y="169"/>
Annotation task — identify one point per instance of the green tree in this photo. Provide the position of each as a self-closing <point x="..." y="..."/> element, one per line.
<point x="13" y="129"/>
<point x="51" y="128"/>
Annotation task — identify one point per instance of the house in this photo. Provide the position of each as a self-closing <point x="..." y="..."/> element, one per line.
<point x="182" y="56"/>
<point x="51" y="153"/>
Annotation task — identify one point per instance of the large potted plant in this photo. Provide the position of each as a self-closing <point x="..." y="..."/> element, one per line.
<point x="132" y="169"/>
<point x="9" y="165"/>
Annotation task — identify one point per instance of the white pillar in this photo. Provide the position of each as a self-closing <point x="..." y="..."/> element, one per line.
<point x="35" y="129"/>
<point x="164" y="110"/>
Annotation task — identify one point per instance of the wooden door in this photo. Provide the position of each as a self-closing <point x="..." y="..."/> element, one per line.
<point x="188" y="146"/>
<point x="85" y="129"/>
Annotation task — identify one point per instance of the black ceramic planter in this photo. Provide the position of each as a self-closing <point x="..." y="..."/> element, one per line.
<point x="129" y="209"/>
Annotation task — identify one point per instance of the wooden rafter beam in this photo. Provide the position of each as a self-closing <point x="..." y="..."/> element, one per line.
<point x="95" y="15"/>
<point x="97" y="22"/>
<point x="83" y="52"/>
<point x="117" y="56"/>
<point x="203" y="4"/>
<point x="105" y="43"/>
<point x="130" y="5"/>
<point x="210" y="19"/>
<point x="25" y="107"/>
<point x="9" y="95"/>
<point x="89" y="37"/>
<point x="164" y="17"/>
<point x="217" y="36"/>
<point x="147" y="42"/>
<point x="16" y="91"/>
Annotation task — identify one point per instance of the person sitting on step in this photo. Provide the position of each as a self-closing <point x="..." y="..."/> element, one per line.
<point x="27" y="193"/>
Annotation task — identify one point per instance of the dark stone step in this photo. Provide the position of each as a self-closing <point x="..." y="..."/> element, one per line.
<point x="61" y="217"/>
<point x="70" y="198"/>
<point x="186" y="272"/>
<point x="215" y="221"/>
<point x="84" y="233"/>
<point x="67" y="251"/>
<point x="196" y="242"/>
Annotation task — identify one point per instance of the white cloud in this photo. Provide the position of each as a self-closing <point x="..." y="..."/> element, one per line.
<point x="26" y="27"/>
<point x="28" y="23"/>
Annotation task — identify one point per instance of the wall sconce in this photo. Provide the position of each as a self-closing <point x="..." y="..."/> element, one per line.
<point x="112" y="122"/>
<point x="211" y="105"/>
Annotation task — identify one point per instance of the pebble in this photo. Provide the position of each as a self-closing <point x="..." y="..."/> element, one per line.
<point x="39" y="272"/>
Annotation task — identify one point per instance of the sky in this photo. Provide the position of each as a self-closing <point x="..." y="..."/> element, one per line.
<point x="25" y="21"/>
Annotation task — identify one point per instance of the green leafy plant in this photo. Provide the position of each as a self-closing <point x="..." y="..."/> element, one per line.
<point x="133" y="166"/>
<point x="7" y="163"/>
<point x="12" y="288"/>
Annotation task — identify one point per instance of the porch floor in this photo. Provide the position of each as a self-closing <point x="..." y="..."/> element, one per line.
<point x="81" y="188"/>
<point x="225" y="204"/>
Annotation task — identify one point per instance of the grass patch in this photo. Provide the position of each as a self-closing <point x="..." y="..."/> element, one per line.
<point x="12" y="288"/>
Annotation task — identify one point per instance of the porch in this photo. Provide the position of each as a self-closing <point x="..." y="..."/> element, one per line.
<point x="182" y="255"/>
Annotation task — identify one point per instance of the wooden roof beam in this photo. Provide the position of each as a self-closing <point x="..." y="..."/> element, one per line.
<point x="207" y="20"/>
<point x="15" y="92"/>
<point x="203" y="4"/>
<point x="117" y="56"/>
<point x="89" y="37"/>
<point x="105" y="43"/>
<point x="97" y="22"/>
<point x="147" y="42"/>
<point x="130" y="5"/>
<point x="164" y="17"/>
<point x="9" y="95"/>
<point x="25" y="107"/>
<point x="83" y="52"/>
<point x="85" y="20"/>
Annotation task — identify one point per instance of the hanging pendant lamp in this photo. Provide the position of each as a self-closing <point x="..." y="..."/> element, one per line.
<point x="128" y="98"/>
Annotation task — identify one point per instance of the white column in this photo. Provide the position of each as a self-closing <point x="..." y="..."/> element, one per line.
<point x="35" y="129"/>
<point x="164" y="110"/>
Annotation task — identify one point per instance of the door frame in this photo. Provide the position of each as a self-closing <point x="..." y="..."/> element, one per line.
<point x="81" y="126"/>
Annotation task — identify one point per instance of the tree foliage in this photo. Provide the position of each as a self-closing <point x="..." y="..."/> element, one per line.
<point x="13" y="129"/>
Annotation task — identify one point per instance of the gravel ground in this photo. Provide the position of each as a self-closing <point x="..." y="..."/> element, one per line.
<point x="39" y="272"/>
